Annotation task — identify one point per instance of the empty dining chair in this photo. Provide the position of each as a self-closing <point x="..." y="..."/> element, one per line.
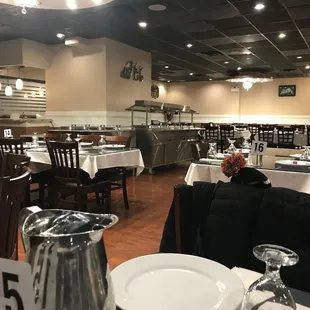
<point x="226" y="131"/>
<point x="267" y="134"/>
<point x="74" y="183"/>
<point x="90" y="138"/>
<point x="11" y="202"/>
<point x="285" y="137"/>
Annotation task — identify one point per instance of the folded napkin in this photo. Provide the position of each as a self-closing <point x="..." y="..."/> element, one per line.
<point x="247" y="277"/>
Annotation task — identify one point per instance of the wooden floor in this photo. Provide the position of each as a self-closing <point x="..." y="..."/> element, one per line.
<point x="139" y="230"/>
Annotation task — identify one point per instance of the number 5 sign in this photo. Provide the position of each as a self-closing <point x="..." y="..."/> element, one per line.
<point x="15" y="286"/>
<point x="258" y="147"/>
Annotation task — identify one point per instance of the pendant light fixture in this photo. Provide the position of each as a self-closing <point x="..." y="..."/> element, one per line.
<point x="8" y="89"/>
<point x="19" y="82"/>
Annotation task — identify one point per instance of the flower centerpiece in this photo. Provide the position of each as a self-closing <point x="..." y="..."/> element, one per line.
<point x="232" y="164"/>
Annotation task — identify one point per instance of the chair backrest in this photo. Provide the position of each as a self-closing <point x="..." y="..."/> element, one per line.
<point x="212" y="133"/>
<point x="253" y="128"/>
<point x="12" y="145"/>
<point x="299" y="128"/>
<point x="227" y="132"/>
<point x="65" y="161"/>
<point x="118" y="140"/>
<point x="53" y="136"/>
<point x="13" y="165"/>
<point x="11" y="202"/>
<point x="266" y="134"/>
<point x="90" y="138"/>
<point x="194" y="150"/>
<point x="285" y="136"/>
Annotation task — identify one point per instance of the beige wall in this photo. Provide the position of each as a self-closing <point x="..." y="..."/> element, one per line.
<point x="26" y="73"/>
<point x="75" y="80"/>
<point x="11" y="53"/>
<point x="215" y="101"/>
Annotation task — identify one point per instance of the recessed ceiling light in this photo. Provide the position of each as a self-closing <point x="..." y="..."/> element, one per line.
<point x="60" y="35"/>
<point x="299" y="57"/>
<point x="191" y="73"/>
<point x="166" y="67"/>
<point x="259" y="6"/>
<point x="248" y="58"/>
<point x="307" y="67"/>
<point x="142" y="24"/>
<point x="157" y="7"/>
<point x="282" y="35"/>
<point x="210" y="79"/>
<point x="168" y="81"/>
<point x="189" y="45"/>
<point x="226" y="62"/>
<point x="97" y="1"/>
<point x="71" y="4"/>
<point x="239" y="68"/>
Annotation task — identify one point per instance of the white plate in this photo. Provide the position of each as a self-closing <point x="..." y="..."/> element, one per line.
<point x="114" y="146"/>
<point x="211" y="161"/>
<point x="293" y="162"/>
<point x="176" y="282"/>
<point x="86" y="144"/>
<point x="221" y="156"/>
<point x="243" y="151"/>
<point x="296" y="155"/>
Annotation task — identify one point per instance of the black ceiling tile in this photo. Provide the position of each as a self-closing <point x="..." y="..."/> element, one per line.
<point x="293" y="3"/>
<point x="199" y="26"/>
<point x="276" y="27"/>
<point x="142" y="5"/>
<point x="247" y="7"/>
<point x="205" y="35"/>
<point x="300" y="12"/>
<point x="288" y="47"/>
<point x="217" y="41"/>
<point x="269" y="17"/>
<point x="221" y="11"/>
<point x="200" y="4"/>
<point x="230" y="23"/>
<point x="244" y="39"/>
<point x="292" y="37"/>
<point x="240" y="31"/>
<point x="293" y="54"/>
<point x="303" y="23"/>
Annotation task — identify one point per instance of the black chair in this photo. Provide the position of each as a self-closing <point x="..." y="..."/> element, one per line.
<point x="286" y="137"/>
<point x="117" y="175"/>
<point x="15" y="146"/>
<point x="199" y="150"/>
<point x="253" y="128"/>
<point x="299" y="128"/>
<point x="11" y="202"/>
<point x="71" y="181"/>
<point x="226" y="131"/>
<point x="266" y="134"/>
<point x="212" y="133"/>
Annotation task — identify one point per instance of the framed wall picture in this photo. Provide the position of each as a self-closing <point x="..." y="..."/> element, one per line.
<point x="287" y="90"/>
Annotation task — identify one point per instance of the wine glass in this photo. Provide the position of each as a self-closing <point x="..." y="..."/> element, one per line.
<point x="212" y="150"/>
<point x="35" y="139"/>
<point x="78" y="139"/>
<point x="232" y="149"/>
<point x="68" y="139"/>
<point x="269" y="292"/>
<point x="101" y="141"/>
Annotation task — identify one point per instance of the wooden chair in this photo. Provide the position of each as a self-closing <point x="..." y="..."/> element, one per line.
<point x="70" y="180"/>
<point x="212" y="133"/>
<point x="118" y="140"/>
<point x="11" y="202"/>
<point x="13" y="165"/>
<point x="266" y="134"/>
<point x="54" y="136"/>
<point x="253" y="128"/>
<point x="116" y="175"/>
<point x="286" y="137"/>
<point x="90" y="138"/>
<point x="226" y="132"/>
<point x="15" y="146"/>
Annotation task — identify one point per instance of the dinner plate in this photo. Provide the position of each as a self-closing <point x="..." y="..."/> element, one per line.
<point x="220" y="156"/>
<point x="296" y="156"/>
<point x="86" y="144"/>
<point x="114" y="146"/>
<point x="210" y="161"/>
<point x="289" y="162"/>
<point x="176" y="282"/>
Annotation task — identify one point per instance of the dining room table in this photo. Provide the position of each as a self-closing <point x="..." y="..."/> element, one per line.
<point x="92" y="159"/>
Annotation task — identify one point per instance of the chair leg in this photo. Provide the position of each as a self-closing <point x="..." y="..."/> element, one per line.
<point x="124" y="187"/>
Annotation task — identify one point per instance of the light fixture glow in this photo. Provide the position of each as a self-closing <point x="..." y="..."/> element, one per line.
<point x="142" y="24"/>
<point x="60" y="35"/>
<point x="97" y="1"/>
<point x="239" y="68"/>
<point x="210" y="79"/>
<point x="248" y="82"/>
<point x="282" y="35"/>
<point x="299" y="57"/>
<point x="191" y="73"/>
<point x="259" y="6"/>
<point x="307" y="67"/>
<point x="247" y="85"/>
<point x="226" y="62"/>
<point x="166" y="67"/>
<point x="8" y="91"/>
<point x="168" y="81"/>
<point x="157" y="7"/>
<point x="72" y="42"/>
<point x="71" y="4"/>
<point x="19" y="84"/>
<point x="189" y="45"/>
<point x="26" y="4"/>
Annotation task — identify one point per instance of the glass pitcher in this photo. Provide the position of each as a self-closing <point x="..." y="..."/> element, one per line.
<point x="67" y="254"/>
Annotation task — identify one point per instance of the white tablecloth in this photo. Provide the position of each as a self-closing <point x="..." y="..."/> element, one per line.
<point x="92" y="163"/>
<point x="294" y="180"/>
<point x="247" y="277"/>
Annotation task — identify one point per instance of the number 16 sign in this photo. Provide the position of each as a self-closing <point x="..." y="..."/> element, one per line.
<point x="15" y="286"/>
<point x="258" y="147"/>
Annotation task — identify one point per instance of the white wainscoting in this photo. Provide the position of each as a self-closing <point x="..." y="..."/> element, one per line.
<point x="109" y="118"/>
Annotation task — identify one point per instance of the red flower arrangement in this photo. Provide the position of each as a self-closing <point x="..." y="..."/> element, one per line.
<point x="232" y="164"/>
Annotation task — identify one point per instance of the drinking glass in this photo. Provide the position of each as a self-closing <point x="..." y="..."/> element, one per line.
<point x="232" y="149"/>
<point x="78" y="139"/>
<point x="68" y="139"/>
<point x="269" y="292"/>
<point x="212" y="150"/>
<point x="101" y="141"/>
<point x="35" y="139"/>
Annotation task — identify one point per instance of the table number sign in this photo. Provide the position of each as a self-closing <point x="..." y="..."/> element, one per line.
<point x="258" y="147"/>
<point x="15" y="286"/>
<point x="7" y="133"/>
